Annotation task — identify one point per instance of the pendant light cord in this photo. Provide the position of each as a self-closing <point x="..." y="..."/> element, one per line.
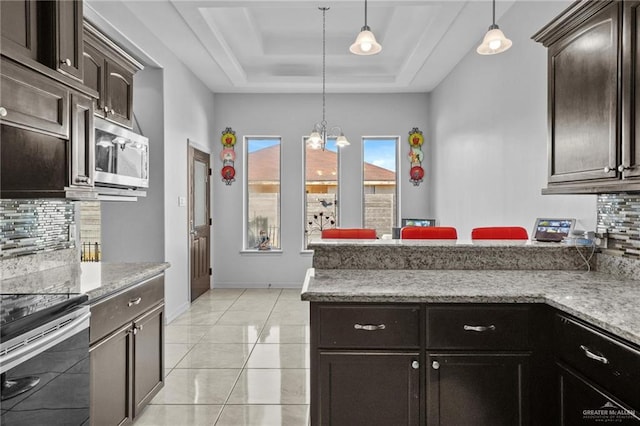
<point x="494" y="12"/>
<point x="365" y="13"/>
<point x="324" y="48"/>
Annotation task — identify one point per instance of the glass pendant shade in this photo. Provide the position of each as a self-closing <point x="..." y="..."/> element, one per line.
<point x="494" y="42"/>
<point x="315" y="140"/>
<point x="365" y="43"/>
<point x="342" y="141"/>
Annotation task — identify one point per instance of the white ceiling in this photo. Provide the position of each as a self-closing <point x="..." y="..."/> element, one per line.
<point x="266" y="46"/>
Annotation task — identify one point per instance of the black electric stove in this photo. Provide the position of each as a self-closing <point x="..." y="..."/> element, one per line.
<point x="20" y="313"/>
<point x="44" y="359"/>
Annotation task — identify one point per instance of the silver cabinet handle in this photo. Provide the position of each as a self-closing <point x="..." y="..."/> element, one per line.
<point x="135" y="301"/>
<point x="435" y="365"/>
<point x="369" y="327"/>
<point x="112" y="111"/>
<point x="479" y="328"/>
<point x="594" y="356"/>
<point x="66" y="62"/>
<point x="622" y="168"/>
<point x="608" y="169"/>
<point x="106" y="109"/>
<point x="415" y="365"/>
<point x="83" y="179"/>
<point x="3" y="112"/>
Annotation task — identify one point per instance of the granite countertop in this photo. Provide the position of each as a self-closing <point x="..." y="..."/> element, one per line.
<point x="601" y="299"/>
<point x="97" y="280"/>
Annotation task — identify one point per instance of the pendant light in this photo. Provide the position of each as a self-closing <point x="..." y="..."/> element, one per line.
<point x="494" y="40"/>
<point x="365" y="43"/>
<point x="318" y="137"/>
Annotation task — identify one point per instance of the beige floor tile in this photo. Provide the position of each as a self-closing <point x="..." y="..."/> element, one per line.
<point x="223" y="293"/>
<point x="288" y="355"/>
<point x="216" y="355"/>
<point x="274" y="333"/>
<point x="289" y="305"/>
<point x="264" y="415"/>
<point x="174" y="352"/>
<point x="195" y="317"/>
<point x="264" y="386"/>
<point x="252" y="305"/>
<point x="197" y="386"/>
<point x="243" y="318"/>
<point x="290" y="317"/>
<point x="172" y="415"/>
<point x="211" y="305"/>
<point x="184" y="333"/>
<point x="231" y="334"/>
<point x="290" y="293"/>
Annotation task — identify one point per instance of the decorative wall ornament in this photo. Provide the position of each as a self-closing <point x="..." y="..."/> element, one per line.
<point x="228" y="156"/>
<point x="416" y="139"/>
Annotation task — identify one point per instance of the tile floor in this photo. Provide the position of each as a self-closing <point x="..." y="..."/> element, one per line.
<point x="236" y="357"/>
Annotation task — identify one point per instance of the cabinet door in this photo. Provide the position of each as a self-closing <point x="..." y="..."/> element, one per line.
<point x="583" y="101"/>
<point x="583" y="403"/>
<point x="149" y="357"/>
<point x="482" y="389"/>
<point x="69" y="37"/>
<point x="93" y="75"/>
<point x="33" y="101"/>
<point x="111" y="372"/>
<point x="82" y="141"/>
<point x="19" y="29"/>
<point x="631" y="91"/>
<point x="119" y="94"/>
<point x="367" y="388"/>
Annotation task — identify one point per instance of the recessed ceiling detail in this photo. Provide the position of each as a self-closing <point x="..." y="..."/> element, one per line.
<point x="264" y="46"/>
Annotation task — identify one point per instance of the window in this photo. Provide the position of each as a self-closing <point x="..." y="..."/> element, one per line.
<point x="380" y="189"/>
<point x="321" y="190"/>
<point x="262" y="209"/>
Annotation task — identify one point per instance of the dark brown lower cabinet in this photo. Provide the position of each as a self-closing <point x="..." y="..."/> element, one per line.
<point x="127" y="369"/>
<point x="583" y="403"/>
<point x="148" y="366"/>
<point x="368" y="388"/>
<point x="478" y="389"/>
<point x="126" y="352"/>
<point x="111" y="368"/>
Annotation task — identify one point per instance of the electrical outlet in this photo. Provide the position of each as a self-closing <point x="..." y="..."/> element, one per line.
<point x="182" y="201"/>
<point x="601" y="240"/>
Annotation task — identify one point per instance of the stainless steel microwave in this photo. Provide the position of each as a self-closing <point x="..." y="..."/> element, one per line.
<point x="122" y="157"/>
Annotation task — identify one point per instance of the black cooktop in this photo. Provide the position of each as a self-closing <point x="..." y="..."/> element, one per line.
<point x="20" y="313"/>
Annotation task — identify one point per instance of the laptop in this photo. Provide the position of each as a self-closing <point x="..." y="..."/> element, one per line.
<point x="552" y="230"/>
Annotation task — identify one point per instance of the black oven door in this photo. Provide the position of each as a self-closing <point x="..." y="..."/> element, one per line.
<point x="52" y="387"/>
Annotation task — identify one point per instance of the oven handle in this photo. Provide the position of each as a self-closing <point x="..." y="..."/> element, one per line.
<point x="30" y="350"/>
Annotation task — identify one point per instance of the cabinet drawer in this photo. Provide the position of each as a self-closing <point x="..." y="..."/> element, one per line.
<point x="609" y="363"/>
<point x="110" y="313"/>
<point x="478" y="327"/>
<point x="33" y="101"/>
<point x="368" y="326"/>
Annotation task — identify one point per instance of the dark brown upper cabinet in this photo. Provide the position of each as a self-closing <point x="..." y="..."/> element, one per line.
<point x="69" y="57"/>
<point x="19" y="29"/>
<point x="592" y="82"/>
<point x="109" y="71"/>
<point x="44" y="35"/>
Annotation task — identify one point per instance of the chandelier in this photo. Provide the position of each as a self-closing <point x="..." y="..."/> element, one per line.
<point x="320" y="132"/>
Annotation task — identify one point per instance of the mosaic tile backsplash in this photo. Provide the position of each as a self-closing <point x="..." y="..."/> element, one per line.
<point x="619" y="216"/>
<point x="31" y="226"/>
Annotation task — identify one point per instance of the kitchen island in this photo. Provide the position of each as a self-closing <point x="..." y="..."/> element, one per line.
<point x="499" y="345"/>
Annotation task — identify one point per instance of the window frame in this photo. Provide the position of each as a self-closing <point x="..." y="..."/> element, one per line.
<point x="398" y="191"/>
<point x="304" y="242"/>
<point x="245" y="196"/>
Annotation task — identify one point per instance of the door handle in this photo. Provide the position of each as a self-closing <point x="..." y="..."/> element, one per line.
<point x="479" y="328"/>
<point x="369" y="327"/>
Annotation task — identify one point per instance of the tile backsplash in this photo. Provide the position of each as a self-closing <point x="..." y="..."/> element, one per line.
<point x="619" y="217"/>
<point x="31" y="226"/>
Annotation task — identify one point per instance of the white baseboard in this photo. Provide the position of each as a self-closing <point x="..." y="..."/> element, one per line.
<point x="231" y="284"/>
<point x="170" y="316"/>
